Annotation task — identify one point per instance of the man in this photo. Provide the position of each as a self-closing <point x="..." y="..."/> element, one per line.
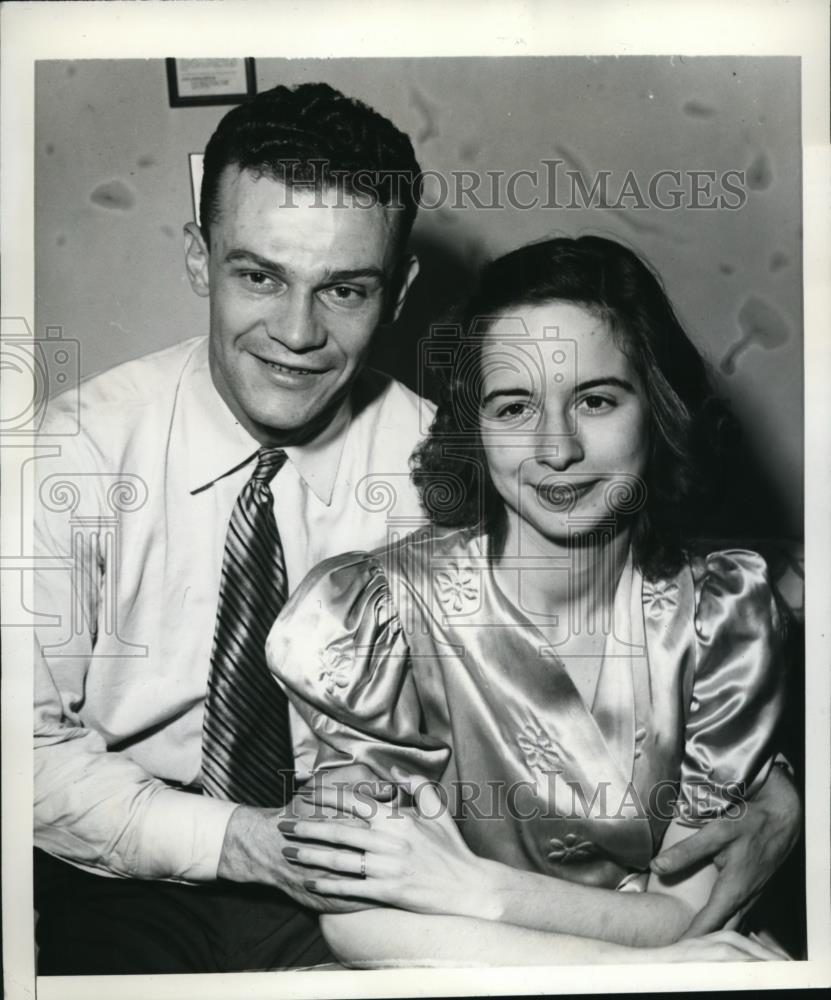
<point x="206" y="480"/>
<point x="300" y="273"/>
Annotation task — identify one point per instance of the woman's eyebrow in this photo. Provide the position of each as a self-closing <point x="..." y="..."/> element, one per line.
<point x="525" y="393"/>
<point x="593" y="383"/>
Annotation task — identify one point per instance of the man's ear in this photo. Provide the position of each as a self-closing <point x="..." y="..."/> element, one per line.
<point x="196" y="259"/>
<point x="409" y="272"/>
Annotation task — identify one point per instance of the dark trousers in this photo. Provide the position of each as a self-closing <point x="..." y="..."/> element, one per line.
<point x="93" y="925"/>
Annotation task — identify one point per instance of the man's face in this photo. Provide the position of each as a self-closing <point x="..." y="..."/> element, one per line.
<point x="298" y="282"/>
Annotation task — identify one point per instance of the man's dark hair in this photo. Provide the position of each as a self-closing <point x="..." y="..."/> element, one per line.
<point x="685" y="416"/>
<point x="313" y="136"/>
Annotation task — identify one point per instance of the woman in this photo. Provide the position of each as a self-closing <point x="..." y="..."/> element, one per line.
<point x="550" y="652"/>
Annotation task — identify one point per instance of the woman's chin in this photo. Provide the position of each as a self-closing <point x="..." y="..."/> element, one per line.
<point x="577" y="531"/>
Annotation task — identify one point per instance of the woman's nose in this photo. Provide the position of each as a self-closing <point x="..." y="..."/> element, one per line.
<point x="558" y="445"/>
<point x="294" y="324"/>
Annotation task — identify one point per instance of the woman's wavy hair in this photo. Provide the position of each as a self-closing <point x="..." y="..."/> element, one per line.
<point x="599" y="274"/>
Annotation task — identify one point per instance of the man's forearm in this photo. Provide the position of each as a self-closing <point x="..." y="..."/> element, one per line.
<point x="131" y="825"/>
<point x="102" y="810"/>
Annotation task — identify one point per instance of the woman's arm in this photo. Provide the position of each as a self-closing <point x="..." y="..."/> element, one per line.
<point x="383" y="938"/>
<point x="386" y="938"/>
<point x="416" y="859"/>
<point x="658" y="916"/>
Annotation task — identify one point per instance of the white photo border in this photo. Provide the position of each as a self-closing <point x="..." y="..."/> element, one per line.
<point x="266" y="29"/>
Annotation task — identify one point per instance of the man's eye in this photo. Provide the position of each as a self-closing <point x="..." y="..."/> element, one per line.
<point x="259" y="279"/>
<point x="346" y="294"/>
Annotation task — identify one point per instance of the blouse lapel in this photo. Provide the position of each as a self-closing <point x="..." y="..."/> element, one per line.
<point x="614" y="704"/>
<point x="668" y="612"/>
<point x="595" y="753"/>
<point x="545" y="730"/>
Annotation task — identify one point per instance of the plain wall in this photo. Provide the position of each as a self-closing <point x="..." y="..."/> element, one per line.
<point x="111" y="275"/>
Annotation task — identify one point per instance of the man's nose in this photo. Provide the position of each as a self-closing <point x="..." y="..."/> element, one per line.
<point x="558" y="443"/>
<point x="295" y="325"/>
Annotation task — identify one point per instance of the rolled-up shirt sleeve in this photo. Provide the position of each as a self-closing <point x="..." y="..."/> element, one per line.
<point x="102" y="811"/>
<point x="94" y="806"/>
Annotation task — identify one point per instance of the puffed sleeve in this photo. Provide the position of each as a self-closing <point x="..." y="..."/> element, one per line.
<point x="339" y="650"/>
<point x="738" y="689"/>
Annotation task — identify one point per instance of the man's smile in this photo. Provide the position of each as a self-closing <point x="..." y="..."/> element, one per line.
<point x="288" y="368"/>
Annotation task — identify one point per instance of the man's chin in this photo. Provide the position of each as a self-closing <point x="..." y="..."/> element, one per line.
<point x="288" y="426"/>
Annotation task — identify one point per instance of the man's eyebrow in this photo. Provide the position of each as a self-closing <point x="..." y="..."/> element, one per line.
<point x="328" y="276"/>
<point x="249" y="257"/>
<point x="351" y="274"/>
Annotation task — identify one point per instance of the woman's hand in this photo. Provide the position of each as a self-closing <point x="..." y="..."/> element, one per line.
<point x="723" y="946"/>
<point x="411" y="858"/>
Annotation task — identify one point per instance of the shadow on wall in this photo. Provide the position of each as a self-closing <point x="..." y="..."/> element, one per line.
<point x="748" y="502"/>
<point x="446" y="277"/>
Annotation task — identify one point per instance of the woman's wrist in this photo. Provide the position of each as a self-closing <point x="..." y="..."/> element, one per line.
<point x="493" y="885"/>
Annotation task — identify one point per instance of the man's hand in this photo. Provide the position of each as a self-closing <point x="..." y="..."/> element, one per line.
<point x="253" y="844"/>
<point x="746" y="850"/>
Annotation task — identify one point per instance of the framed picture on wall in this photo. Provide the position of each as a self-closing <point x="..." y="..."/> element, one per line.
<point x="197" y="82"/>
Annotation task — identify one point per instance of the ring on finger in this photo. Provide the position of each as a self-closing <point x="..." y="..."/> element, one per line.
<point x="363" y="864"/>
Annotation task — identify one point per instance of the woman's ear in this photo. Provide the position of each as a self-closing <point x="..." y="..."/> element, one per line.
<point x="197" y="256"/>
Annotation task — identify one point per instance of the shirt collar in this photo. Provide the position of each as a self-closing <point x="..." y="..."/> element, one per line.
<point x="216" y="443"/>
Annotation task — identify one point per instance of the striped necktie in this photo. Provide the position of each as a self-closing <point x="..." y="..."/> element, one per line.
<point x="246" y="742"/>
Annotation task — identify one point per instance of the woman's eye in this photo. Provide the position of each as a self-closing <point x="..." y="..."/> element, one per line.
<point x="513" y="411"/>
<point x="596" y="404"/>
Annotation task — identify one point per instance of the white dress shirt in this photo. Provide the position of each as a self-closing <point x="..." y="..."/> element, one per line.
<point x="130" y="521"/>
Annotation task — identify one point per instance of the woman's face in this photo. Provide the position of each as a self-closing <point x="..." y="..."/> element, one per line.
<point x="563" y="419"/>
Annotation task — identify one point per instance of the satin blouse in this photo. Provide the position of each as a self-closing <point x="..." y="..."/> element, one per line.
<point x="413" y="656"/>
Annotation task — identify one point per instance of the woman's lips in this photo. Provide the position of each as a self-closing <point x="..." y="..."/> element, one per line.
<point x="562" y="494"/>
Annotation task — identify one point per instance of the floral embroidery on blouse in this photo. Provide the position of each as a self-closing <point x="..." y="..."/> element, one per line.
<point x="335" y="665"/>
<point x="570" y="848"/>
<point x="537" y="748"/>
<point x="660" y="597"/>
<point x="457" y="586"/>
